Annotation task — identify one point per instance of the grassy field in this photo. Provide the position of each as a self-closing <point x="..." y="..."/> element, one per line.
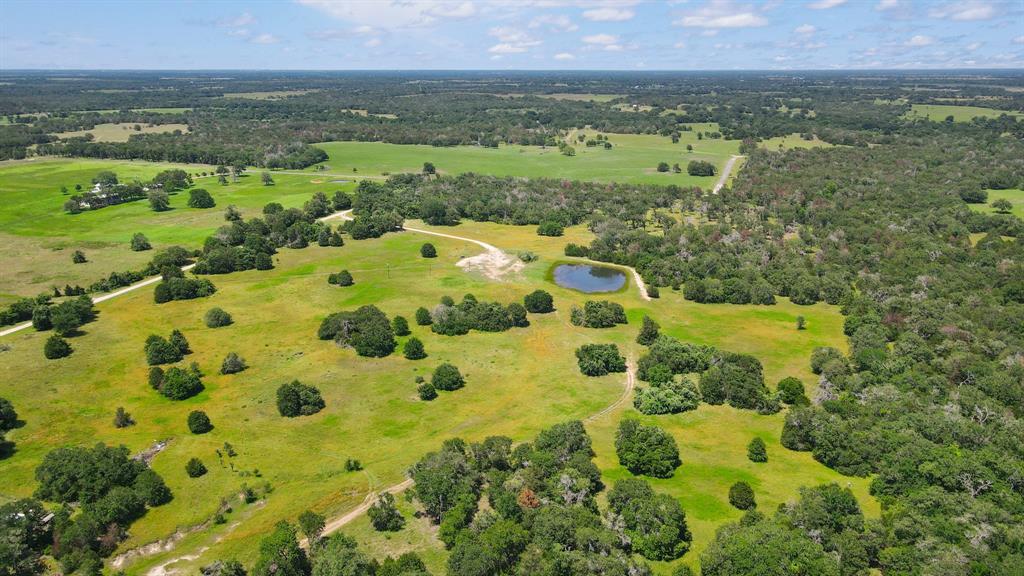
<point x="372" y="413"/>
<point x="271" y="95"/>
<point x="1016" y="197"/>
<point x="939" y="112"/>
<point x="37" y="237"/>
<point x="633" y="158"/>
<point x="121" y="132"/>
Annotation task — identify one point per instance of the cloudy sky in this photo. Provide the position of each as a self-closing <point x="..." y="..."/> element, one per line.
<point x="512" y="34"/>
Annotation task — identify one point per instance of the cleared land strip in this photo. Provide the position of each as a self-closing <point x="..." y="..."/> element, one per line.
<point x="725" y="174"/>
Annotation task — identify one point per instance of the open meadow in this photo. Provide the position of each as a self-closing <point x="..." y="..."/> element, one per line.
<point x="37" y="237"/>
<point x="633" y="158"/>
<point x="939" y="112"/>
<point x="518" y="382"/>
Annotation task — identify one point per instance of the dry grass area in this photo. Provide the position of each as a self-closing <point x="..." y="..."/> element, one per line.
<point x="121" y="132"/>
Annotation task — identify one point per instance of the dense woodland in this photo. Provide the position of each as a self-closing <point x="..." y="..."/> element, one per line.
<point x="445" y="109"/>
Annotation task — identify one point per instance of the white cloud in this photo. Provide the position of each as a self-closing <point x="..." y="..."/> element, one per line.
<point x="511" y="40"/>
<point x="554" y="22"/>
<point x="722" y="14"/>
<point x="1018" y="40"/>
<point x="806" y="29"/>
<point x="394" y="13"/>
<point x="919" y="40"/>
<point x="608" y="15"/>
<point x="239" y="32"/>
<point x="613" y="48"/>
<point x="564" y="56"/>
<point x="679" y="45"/>
<point x="600" y="39"/>
<point x="964" y="11"/>
<point x="240" y="21"/>
<point x="825" y="4"/>
<point x="973" y="46"/>
<point x="265" y="38"/>
<point x="372" y="43"/>
<point x="887" y="5"/>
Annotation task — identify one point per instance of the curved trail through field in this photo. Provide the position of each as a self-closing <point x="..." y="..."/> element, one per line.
<point x="725" y="174"/>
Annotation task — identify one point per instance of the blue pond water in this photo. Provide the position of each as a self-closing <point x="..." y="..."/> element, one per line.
<point x="589" y="279"/>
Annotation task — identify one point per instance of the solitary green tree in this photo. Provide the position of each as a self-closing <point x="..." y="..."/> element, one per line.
<point x="413" y="349"/>
<point x="756" y="450"/>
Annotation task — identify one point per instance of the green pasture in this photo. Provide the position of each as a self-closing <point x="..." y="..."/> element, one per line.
<point x="792" y="141"/>
<point x="633" y="159"/>
<point x="1016" y="197"/>
<point x="114" y="132"/>
<point x="517" y="383"/>
<point x="38" y="236"/>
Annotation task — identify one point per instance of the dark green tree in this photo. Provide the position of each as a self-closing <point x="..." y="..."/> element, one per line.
<point x="447" y="377"/>
<point x="428" y="250"/>
<point x="233" y="364"/>
<point x="297" y="399"/>
<point x="400" y="326"/>
<point x="741" y="495"/>
<point x="56" y="347"/>
<point x="199" y="422"/>
<point x="413" y="349"/>
<point x="140" y="243"/>
<point x="195" y="468"/>
<point x="423" y="317"/>
<point x="648" y="332"/>
<point x="280" y="554"/>
<point x="384" y="515"/>
<point x="217" y="318"/>
<point x="646" y="450"/>
<point x="200" y="198"/>
<point x="539" y="302"/>
<point x="756" y="450"/>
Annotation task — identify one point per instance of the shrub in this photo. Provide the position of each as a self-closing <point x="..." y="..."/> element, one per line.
<point x="600" y="359"/>
<point x="217" y="318"/>
<point x="400" y="326"/>
<point x="78" y="257"/>
<point x="56" y="347"/>
<point x="8" y="415"/>
<point x="200" y="198"/>
<point x="648" y="332"/>
<point x="195" y="468"/>
<point x="353" y="465"/>
<point x="756" y="450"/>
<point x="700" y="168"/>
<point x="122" y="419"/>
<point x="428" y="251"/>
<point x="669" y="397"/>
<point x="646" y="450"/>
<point x="539" y="302"/>
<point x="598" y="314"/>
<point x="161" y="351"/>
<point x="179" y="341"/>
<point x="577" y="250"/>
<point x="156" y="377"/>
<point x="413" y="349"/>
<point x="423" y="317"/>
<point x="426" y="391"/>
<point x="341" y="201"/>
<point x="367" y="330"/>
<point x="447" y="377"/>
<point x="297" y="399"/>
<point x="550" y="228"/>
<point x="384" y="515"/>
<point x="791" y="390"/>
<point x="653" y="292"/>
<point x="741" y="495"/>
<point x="182" y="289"/>
<point x="663" y="167"/>
<point x="343" y="278"/>
<point x="233" y="364"/>
<point x="199" y="422"/>
<point x="140" y="243"/>
<point x="180" y="384"/>
<point x="655" y="523"/>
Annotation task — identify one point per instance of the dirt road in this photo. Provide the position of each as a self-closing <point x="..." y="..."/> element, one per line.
<point x="725" y="174"/>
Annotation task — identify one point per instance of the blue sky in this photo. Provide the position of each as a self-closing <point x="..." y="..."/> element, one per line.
<point x="512" y="34"/>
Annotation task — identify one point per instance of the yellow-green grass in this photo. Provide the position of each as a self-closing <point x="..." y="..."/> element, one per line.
<point x="37" y="237"/>
<point x="792" y="141"/>
<point x="633" y="158"/>
<point x="518" y="382"/>
<point x="939" y="112"/>
<point x="1016" y="197"/>
<point x="364" y="112"/>
<point x="121" y="132"/>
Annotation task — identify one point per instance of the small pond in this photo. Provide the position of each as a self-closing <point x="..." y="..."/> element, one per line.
<point x="588" y="278"/>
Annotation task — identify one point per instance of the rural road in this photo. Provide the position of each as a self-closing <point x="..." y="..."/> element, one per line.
<point x="725" y="174"/>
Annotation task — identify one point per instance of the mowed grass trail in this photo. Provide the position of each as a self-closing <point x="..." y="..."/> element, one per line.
<point x="632" y="159"/>
<point x="518" y="382"/>
<point x="37" y="237"/>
